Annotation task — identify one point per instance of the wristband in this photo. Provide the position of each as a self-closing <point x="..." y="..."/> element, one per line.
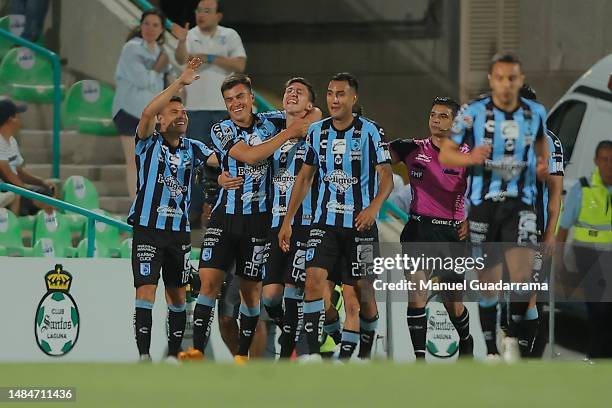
<point x="210" y="58"/>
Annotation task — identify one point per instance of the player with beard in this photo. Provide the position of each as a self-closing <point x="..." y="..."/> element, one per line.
<point x="165" y="161"/>
<point x="437" y="215"/>
<point x="355" y="179"/>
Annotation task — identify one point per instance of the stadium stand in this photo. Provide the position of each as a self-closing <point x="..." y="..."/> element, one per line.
<point x="11" y="242"/>
<point x="56" y="227"/>
<point x="87" y="108"/>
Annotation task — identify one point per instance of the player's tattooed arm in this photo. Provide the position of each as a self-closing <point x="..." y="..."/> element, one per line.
<point x="367" y="217"/>
<point x="302" y="184"/>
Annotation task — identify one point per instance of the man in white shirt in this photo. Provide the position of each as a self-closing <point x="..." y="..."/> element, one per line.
<point x="222" y="51"/>
<point x="12" y="165"/>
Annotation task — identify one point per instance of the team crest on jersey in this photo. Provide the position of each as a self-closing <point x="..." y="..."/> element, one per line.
<point x="355" y="145"/>
<point x="340" y="180"/>
<point x="283" y="179"/>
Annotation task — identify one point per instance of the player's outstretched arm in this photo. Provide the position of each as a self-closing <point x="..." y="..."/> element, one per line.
<point x="367" y="217"/>
<point x="451" y="156"/>
<point x="253" y="154"/>
<point x="303" y="182"/>
<point x="147" y="120"/>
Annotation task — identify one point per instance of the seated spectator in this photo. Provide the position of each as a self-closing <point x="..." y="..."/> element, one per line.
<point x="12" y="164"/>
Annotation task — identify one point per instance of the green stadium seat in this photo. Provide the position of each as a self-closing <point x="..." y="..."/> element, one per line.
<point x="100" y="250"/>
<point x="126" y="248"/>
<point x="10" y="235"/>
<point x="44" y="248"/>
<point x="195" y="253"/>
<point x="14" y="24"/>
<point x="79" y="191"/>
<point x="26" y="76"/>
<point x="88" y="108"/>
<point x="56" y="227"/>
<point x="2" y="251"/>
<point x="27" y="222"/>
<point x="107" y="236"/>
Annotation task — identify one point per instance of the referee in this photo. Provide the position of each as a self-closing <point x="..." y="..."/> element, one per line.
<point x="165" y="163"/>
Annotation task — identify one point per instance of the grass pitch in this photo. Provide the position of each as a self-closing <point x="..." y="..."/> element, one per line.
<point x="378" y="384"/>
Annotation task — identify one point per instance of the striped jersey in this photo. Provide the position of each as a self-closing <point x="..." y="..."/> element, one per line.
<point x="346" y="160"/>
<point x="510" y="170"/>
<point x="555" y="168"/>
<point x="286" y="164"/>
<point x="251" y="197"/>
<point x="164" y="176"/>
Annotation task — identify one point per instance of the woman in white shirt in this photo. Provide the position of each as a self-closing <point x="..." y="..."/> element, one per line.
<point x="139" y="77"/>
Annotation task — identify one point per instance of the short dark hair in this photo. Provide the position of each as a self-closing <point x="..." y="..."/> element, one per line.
<point x="505" y="58"/>
<point x="236" y="79"/>
<point x="348" y="77"/>
<point x="306" y="83"/>
<point x="528" y="92"/>
<point x="176" y="98"/>
<point x="604" y="144"/>
<point x="220" y="6"/>
<point x="448" y="102"/>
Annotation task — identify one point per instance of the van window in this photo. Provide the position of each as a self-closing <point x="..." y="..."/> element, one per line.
<point x="565" y="122"/>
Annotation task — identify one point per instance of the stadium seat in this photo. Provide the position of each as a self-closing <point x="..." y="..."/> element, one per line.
<point x="44" y="248"/>
<point x="195" y="253"/>
<point x="88" y="108"/>
<point x="100" y="250"/>
<point x="79" y="191"/>
<point x="126" y="248"/>
<point x="14" y="24"/>
<point x="56" y="227"/>
<point x="107" y="236"/>
<point x="27" y="76"/>
<point x="10" y="235"/>
<point x="27" y="222"/>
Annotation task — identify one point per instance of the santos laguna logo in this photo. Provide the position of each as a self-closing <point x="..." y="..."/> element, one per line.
<point x="442" y="339"/>
<point x="57" y="322"/>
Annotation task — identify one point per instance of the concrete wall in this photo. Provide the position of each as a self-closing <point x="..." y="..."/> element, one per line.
<point x="560" y="39"/>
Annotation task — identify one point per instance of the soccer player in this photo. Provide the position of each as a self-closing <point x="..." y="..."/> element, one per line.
<point x="533" y="331"/>
<point x="507" y="135"/>
<point x="285" y="271"/>
<point x="240" y="220"/>
<point x="355" y="179"/>
<point x="436" y="215"/>
<point x="165" y="161"/>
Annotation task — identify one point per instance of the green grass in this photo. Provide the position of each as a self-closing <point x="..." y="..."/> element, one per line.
<point x="466" y="384"/>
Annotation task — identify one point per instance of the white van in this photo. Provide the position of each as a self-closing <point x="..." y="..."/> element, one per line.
<point x="582" y="118"/>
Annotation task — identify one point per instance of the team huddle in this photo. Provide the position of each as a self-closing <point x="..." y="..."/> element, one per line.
<point x="300" y="195"/>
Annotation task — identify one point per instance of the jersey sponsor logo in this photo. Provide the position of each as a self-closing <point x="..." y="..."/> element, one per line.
<point x="253" y="139"/>
<point x="172" y="184"/>
<point x="510" y="133"/>
<point x="508" y="167"/>
<point x="256" y="171"/>
<point x="416" y="174"/>
<point x="490" y="126"/>
<point x="251" y="196"/>
<point x="423" y="157"/>
<point x="338" y="146"/>
<point x="168" y="211"/>
<point x="287" y="146"/>
<point x="284" y="180"/>
<point x="316" y="232"/>
<point x="279" y="210"/>
<point x="338" y="208"/>
<point x="527" y="228"/>
<point x="340" y="180"/>
<point x="214" y="231"/>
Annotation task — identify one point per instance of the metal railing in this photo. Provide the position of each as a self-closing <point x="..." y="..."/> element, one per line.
<point x="262" y="104"/>
<point x="57" y="92"/>
<point x="389" y="207"/>
<point x="92" y="216"/>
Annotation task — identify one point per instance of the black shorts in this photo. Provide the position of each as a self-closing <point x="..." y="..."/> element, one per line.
<point x="510" y="222"/>
<point x="287" y="267"/>
<point x="125" y="123"/>
<point x="436" y="239"/>
<point x="155" y="251"/>
<point x="327" y="244"/>
<point x="237" y="238"/>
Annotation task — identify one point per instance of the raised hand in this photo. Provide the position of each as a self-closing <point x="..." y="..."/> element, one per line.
<point x="189" y="75"/>
<point x="180" y="32"/>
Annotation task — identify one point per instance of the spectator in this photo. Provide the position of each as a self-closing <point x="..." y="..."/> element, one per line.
<point x="12" y="167"/>
<point x="223" y="53"/>
<point x="588" y="209"/>
<point x="35" y="12"/>
<point x="139" y="77"/>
